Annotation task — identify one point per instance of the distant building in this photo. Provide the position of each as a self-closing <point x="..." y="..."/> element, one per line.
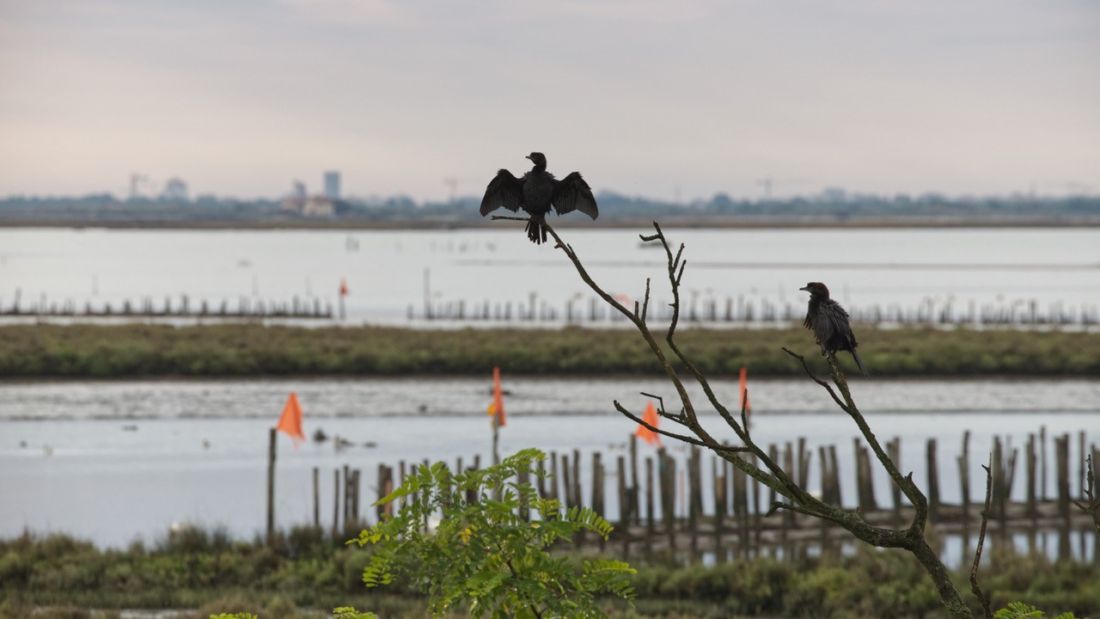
<point x="319" y="206"/>
<point x="332" y="185"/>
<point x="296" y="201"/>
<point x="175" y="190"/>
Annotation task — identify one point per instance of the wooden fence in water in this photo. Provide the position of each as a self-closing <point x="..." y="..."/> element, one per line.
<point x="699" y="503"/>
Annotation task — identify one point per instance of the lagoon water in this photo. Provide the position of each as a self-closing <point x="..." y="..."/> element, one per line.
<point x="118" y="461"/>
<point x="390" y="271"/>
<point x="115" y="461"/>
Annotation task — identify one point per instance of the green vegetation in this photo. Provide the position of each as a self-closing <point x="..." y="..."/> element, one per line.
<point x="83" y="351"/>
<point x="304" y="569"/>
<point x="484" y="554"/>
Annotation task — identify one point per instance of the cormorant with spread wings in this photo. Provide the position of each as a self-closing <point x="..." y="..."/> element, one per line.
<point x="536" y="192"/>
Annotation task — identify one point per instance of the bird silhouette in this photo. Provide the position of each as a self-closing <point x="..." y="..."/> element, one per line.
<point x="536" y="192"/>
<point x="829" y="322"/>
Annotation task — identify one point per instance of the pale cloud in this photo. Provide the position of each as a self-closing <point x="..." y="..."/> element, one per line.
<point x="644" y="97"/>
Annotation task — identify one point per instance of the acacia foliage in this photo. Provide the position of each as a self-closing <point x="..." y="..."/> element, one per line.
<point x="464" y="540"/>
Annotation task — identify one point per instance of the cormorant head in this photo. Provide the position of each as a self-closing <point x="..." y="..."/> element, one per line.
<point x="817" y="290"/>
<point x="538" y="159"/>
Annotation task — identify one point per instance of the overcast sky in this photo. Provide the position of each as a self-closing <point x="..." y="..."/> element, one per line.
<point x="647" y="98"/>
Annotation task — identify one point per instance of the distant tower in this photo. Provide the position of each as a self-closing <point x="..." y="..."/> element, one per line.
<point x="136" y="181"/>
<point x="332" y="185"/>
<point x="175" y="190"/>
<point x="298" y="190"/>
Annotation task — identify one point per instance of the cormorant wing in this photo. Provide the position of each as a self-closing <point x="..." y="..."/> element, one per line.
<point x="837" y="320"/>
<point x="572" y="193"/>
<point x="504" y="190"/>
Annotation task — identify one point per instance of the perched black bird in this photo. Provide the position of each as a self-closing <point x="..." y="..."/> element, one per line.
<point x="536" y="192"/>
<point x="829" y="322"/>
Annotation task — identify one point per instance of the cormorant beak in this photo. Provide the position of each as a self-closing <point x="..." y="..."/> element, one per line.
<point x="806" y="288"/>
<point x="528" y="157"/>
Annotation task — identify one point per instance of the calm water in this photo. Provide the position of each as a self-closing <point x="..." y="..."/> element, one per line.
<point x="117" y="461"/>
<point x="387" y="271"/>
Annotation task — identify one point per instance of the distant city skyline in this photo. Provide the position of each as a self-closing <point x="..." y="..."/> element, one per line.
<point x="668" y="101"/>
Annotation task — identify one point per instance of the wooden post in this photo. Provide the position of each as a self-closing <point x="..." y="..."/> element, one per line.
<point x="788" y="466"/>
<point x="401" y="479"/>
<point x="1043" y="496"/>
<point x="668" y="495"/>
<point x="1061" y="456"/>
<point x="624" y="494"/>
<point x="649" y="508"/>
<point x="1081" y="483"/>
<point x="524" y="480"/>
<point x="541" y="478"/>
<point x="578" y="499"/>
<point x="803" y="462"/>
<point x="826" y="491"/>
<point x="693" y="474"/>
<point x="861" y="488"/>
<point x="635" y="505"/>
<point x="933" y="481"/>
<point x="495" y="423"/>
<point x="1029" y="459"/>
<point x="316" y="498"/>
<point x="964" y="478"/>
<point x="998" y="478"/>
<point x="597" y="489"/>
<point x="834" y="473"/>
<point x="625" y="506"/>
<point x="567" y="483"/>
<point x="719" y="483"/>
<point x="554" y="479"/>
<point x="347" y="498"/>
<point x="335" y="502"/>
<point x="893" y="449"/>
<point x="472" y="495"/>
<point x="773" y="454"/>
<point x="272" y="434"/>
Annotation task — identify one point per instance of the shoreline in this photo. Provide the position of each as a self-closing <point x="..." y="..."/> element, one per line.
<point x="621" y="223"/>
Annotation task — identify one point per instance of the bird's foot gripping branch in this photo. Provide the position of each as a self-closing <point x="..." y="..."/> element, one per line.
<point x="745" y="453"/>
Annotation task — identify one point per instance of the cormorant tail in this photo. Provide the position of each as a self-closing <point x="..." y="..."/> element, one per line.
<point x="536" y="230"/>
<point x="859" y="363"/>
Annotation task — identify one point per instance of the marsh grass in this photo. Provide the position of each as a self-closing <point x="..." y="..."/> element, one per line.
<point x="246" y="350"/>
<point x="207" y="572"/>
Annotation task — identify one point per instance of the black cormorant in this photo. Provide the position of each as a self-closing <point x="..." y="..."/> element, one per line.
<point x="829" y="322"/>
<point x="536" y="192"/>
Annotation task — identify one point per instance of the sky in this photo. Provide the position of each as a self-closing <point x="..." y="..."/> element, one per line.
<point x="673" y="100"/>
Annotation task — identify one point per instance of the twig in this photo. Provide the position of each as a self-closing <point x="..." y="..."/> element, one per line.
<point x="509" y="218"/>
<point x="813" y="377"/>
<point x="974" y="586"/>
<point x="679" y="437"/>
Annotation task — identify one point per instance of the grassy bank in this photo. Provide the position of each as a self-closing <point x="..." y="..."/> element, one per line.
<point x="304" y="570"/>
<point x="84" y="351"/>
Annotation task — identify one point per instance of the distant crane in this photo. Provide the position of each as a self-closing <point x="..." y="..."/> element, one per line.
<point x="452" y="183"/>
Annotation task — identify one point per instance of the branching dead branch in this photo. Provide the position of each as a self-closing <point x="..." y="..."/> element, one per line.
<point x="768" y="472"/>
<point x="1091" y="504"/>
<point x="974" y="586"/>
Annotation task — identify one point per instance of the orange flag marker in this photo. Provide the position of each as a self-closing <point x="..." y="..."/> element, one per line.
<point x="745" y="390"/>
<point x="497" y="407"/>
<point x="290" y="423"/>
<point x="644" y="433"/>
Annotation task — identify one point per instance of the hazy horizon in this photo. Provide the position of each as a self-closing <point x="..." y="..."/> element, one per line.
<point x="645" y="98"/>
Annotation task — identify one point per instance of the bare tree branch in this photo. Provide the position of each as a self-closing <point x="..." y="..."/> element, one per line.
<point x="1091" y="504"/>
<point x="679" y="437"/>
<point x="809" y="372"/>
<point x="769" y="472"/>
<point x="974" y="586"/>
